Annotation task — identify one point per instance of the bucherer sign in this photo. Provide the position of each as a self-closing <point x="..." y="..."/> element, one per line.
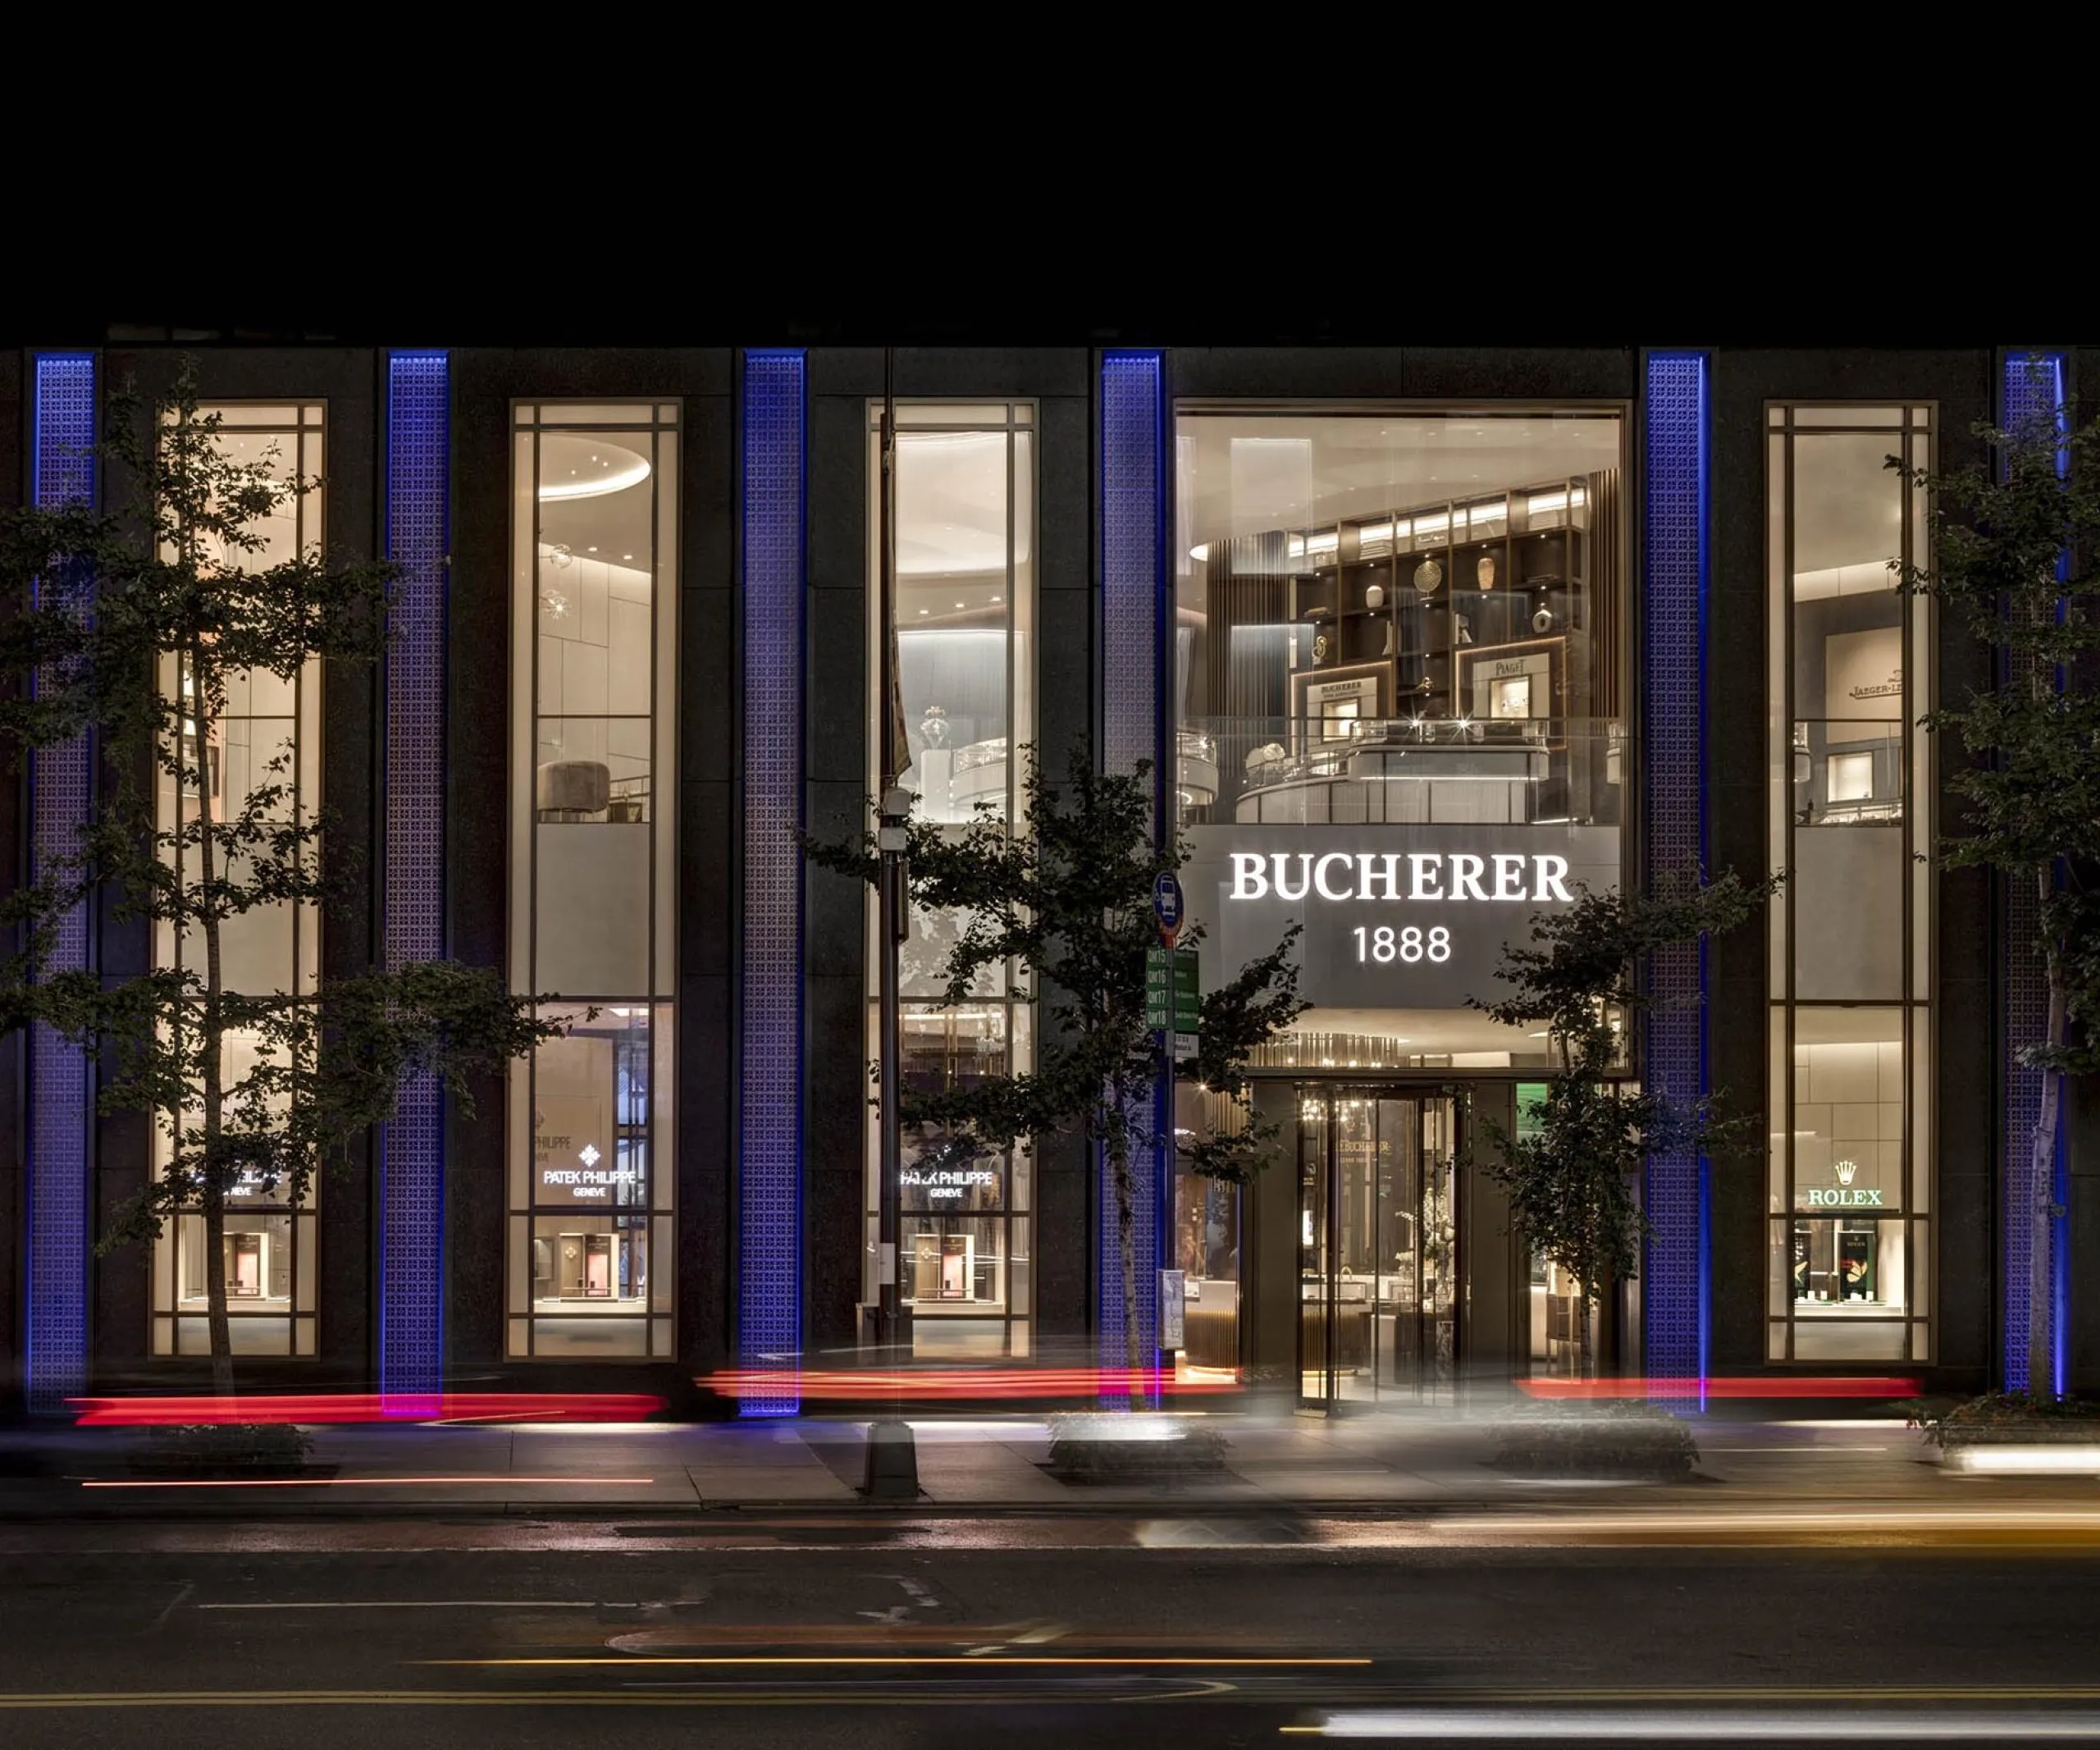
<point x="1394" y="917"/>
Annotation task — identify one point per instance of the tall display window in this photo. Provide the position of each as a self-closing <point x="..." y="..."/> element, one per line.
<point x="963" y="644"/>
<point x="593" y="872"/>
<point x="269" y="1242"/>
<point x="1400" y="697"/>
<point x="1851" y="820"/>
<point x="1400" y="694"/>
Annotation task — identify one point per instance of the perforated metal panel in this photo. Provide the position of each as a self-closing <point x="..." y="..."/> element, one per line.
<point x="2034" y="388"/>
<point x="769" y="1140"/>
<point x="1134" y="629"/>
<point x="1673" y="594"/>
<point x="60" y="1207"/>
<point x="412" y="1170"/>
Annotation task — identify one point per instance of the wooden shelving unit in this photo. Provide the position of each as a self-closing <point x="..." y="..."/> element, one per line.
<point x="1511" y="571"/>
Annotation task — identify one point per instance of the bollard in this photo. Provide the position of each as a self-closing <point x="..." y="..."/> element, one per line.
<point x="892" y="1470"/>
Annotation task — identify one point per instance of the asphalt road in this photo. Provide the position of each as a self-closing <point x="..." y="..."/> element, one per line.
<point x="320" y="1637"/>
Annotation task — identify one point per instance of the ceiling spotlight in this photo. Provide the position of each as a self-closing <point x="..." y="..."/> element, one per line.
<point x="959" y="603"/>
<point x="996" y="598"/>
<point x="590" y="550"/>
<point x="626" y="556"/>
<point x="923" y="612"/>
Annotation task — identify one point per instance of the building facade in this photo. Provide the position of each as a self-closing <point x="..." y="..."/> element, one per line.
<point x="1418" y="640"/>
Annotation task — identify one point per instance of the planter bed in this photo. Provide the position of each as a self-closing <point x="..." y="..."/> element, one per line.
<point x="1636" y="1442"/>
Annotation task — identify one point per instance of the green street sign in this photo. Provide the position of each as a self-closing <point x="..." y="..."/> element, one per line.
<point x="1174" y="990"/>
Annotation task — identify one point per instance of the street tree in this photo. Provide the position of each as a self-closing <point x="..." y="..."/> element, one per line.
<point x="2015" y="538"/>
<point x="137" y="626"/>
<point x="1572" y="1173"/>
<point x="1062" y="916"/>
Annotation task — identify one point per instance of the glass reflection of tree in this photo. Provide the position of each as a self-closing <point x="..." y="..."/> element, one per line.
<point x="1439" y="1237"/>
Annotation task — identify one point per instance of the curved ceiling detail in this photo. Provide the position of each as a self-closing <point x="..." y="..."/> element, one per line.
<point x="586" y="467"/>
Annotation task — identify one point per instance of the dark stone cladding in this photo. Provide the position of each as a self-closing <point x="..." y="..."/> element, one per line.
<point x="1959" y="381"/>
<point x="15" y="416"/>
<point x="347" y="380"/>
<point x="485" y="381"/>
<point x="843" y="381"/>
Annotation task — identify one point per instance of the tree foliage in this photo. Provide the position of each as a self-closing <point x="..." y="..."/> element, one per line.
<point x="253" y="1092"/>
<point x="1572" y="1175"/>
<point x="1061" y="915"/>
<point x="2014" y="541"/>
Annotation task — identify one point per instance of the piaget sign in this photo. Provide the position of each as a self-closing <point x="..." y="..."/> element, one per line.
<point x="1394" y="917"/>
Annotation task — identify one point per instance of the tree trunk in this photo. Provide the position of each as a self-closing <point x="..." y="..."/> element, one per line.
<point x="1119" y="1167"/>
<point x="214" y="1291"/>
<point x="213" y="1188"/>
<point x="2041" y="1197"/>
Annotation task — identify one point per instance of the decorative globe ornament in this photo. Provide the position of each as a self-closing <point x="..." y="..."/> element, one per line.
<point x="934" y="726"/>
<point x="1427" y="575"/>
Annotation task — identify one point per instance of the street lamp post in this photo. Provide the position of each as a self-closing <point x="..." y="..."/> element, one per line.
<point x="891" y="1471"/>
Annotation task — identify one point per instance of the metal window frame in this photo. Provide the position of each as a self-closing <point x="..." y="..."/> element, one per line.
<point x="658" y="1331"/>
<point x="1914" y="1011"/>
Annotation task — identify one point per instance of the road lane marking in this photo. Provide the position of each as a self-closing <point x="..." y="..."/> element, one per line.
<point x="340" y="1483"/>
<point x="421" y="1604"/>
<point x="961" y="1662"/>
<point x="961" y="1696"/>
<point x="1763" y="1726"/>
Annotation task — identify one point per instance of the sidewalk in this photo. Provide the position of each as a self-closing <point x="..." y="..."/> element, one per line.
<point x="1406" y="1462"/>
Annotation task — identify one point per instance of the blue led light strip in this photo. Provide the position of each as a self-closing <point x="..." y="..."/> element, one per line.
<point x="412" y="1148"/>
<point x="2029" y="393"/>
<point x="60" y="1208"/>
<point x="1133" y="630"/>
<point x="769" y="1140"/>
<point x="1674" y="1292"/>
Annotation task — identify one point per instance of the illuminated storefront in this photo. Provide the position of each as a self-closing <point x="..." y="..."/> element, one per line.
<point x="1422" y="645"/>
<point x="1400" y="639"/>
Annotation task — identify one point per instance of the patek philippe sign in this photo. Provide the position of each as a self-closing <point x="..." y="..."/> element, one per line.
<point x="955" y="1189"/>
<point x="1395" y="916"/>
<point x="572" y="1157"/>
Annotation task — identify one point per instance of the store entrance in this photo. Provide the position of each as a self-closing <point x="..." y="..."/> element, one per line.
<point x="1378" y="1249"/>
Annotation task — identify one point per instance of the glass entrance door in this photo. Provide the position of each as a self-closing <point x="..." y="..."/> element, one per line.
<point x="1378" y="1263"/>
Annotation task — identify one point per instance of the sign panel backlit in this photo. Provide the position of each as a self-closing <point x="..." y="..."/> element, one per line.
<point x="573" y="1158"/>
<point x="1395" y="916"/>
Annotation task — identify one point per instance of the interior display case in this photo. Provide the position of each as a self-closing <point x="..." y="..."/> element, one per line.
<point x="944" y="1267"/>
<point x="247" y="1264"/>
<point x="1421" y="589"/>
<point x="1341" y="654"/>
